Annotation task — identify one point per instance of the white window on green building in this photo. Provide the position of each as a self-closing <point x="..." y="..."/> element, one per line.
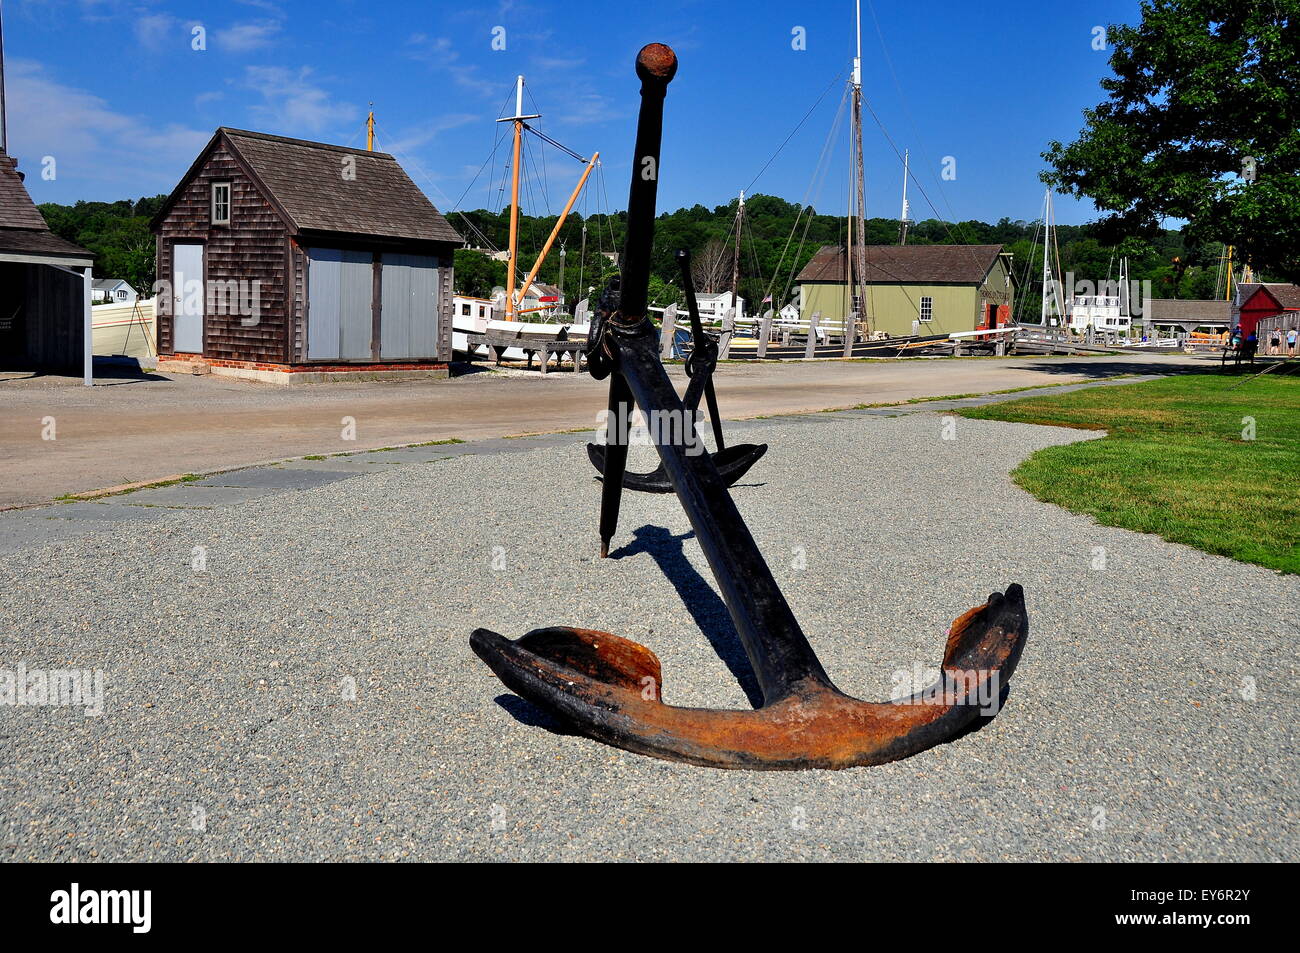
<point x="927" y="308"/>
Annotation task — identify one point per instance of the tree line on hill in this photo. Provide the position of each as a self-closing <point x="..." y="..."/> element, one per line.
<point x="117" y="232"/>
<point x="776" y="242"/>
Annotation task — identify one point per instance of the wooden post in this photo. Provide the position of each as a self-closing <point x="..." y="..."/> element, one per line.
<point x="812" y="334"/>
<point x="850" y="333"/>
<point x="728" y="331"/>
<point x="666" y="332"/>
<point x="88" y="329"/>
<point x="764" y="332"/>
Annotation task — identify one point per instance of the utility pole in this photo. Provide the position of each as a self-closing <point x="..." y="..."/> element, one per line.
<point x="904" y="219"/>
<point x="735" y="257"/>
<point x="563" y="253"/>
<point x="582" y="260"/>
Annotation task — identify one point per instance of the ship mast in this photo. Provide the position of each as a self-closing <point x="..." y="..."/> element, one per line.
<point x="370" y="129"/>
<point x="858" y="252"/>
<point x="518" y="119"/>
<point x="4" y="127"/>
<point x="1058" y="302"/>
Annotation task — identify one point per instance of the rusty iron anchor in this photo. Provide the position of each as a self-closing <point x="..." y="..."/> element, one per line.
<point x="609" y="688"/>
<point x="732" y="462"/>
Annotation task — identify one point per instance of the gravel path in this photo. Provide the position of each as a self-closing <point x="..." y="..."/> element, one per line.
<point x="1128" y="734"/>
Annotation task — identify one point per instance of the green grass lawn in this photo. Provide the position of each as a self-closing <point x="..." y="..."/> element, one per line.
<point x="1176" y="461"/>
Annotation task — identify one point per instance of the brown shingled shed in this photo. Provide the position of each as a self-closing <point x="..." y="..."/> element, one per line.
<point x="285" y="256"/>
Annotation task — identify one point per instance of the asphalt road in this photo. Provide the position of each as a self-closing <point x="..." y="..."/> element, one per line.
<point x="130" y="429"/>
<point x="308" y="692"/>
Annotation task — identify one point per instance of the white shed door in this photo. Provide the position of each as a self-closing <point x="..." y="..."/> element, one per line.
<point x="187" y="299"/>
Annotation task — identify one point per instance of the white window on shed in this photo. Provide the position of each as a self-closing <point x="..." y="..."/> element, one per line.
<point x="927" y="308"/>
<point x="220" y="203"/>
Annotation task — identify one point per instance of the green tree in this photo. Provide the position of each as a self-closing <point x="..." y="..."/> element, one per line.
<point x="1198" y="87"/>
<point x="477" y="274"/>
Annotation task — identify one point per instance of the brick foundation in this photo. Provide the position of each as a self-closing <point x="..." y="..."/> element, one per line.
<point x="182" y="363"/>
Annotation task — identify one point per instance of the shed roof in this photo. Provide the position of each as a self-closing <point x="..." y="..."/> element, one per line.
<point x="30" y="241"/>
<point x="1286" y="295"/>
<point x="542" y="289"/>
<point x="1188" y="309"/>
<point x="907" y="264"/>
<point x="306" y="181"/>
<point x="16" y="207"/>
<point x="22" y="227"/>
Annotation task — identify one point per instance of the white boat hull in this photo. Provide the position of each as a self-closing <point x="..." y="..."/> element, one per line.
<point x="463" y="326"/>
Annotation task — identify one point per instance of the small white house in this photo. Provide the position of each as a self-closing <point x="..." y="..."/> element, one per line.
<point x="790" y="314"/>
<point x="1099" y="312"/>
<point x="713" y="307"/>
<point x="543" y="299"/>
<point x="112" y="291"/>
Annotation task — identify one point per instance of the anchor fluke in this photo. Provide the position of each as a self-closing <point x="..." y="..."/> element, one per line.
<point x="610" y="688"/>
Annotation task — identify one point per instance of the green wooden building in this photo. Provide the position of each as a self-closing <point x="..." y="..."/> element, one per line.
<point x="926" y="289"/>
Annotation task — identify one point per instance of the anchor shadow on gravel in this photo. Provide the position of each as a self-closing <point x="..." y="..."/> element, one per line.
<point x="707" y="609"/>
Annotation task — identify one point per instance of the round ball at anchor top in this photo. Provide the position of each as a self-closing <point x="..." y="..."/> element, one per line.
<point x="656" y="61"/>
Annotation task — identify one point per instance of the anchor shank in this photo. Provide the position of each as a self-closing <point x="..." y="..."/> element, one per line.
<point x="655" y="75"/>
<point x="781" y="657"/>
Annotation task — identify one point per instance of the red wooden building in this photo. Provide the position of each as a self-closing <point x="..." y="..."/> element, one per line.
<point x="293" y="260"/>
<point x="1264" y="307"/>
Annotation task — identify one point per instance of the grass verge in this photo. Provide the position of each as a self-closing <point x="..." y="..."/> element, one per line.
<point x="1192" y="458"/>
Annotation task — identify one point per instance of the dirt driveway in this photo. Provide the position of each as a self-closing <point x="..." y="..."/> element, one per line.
<point x="136" y="428"/>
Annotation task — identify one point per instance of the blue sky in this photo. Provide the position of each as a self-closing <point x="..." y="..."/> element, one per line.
<point x="115" y="93"/>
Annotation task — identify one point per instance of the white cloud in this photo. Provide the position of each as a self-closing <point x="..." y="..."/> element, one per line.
<point x="268" y="5"/>
<point x="157" y="30"/>
<point x="584" y="108"/>
<point x="442" y="56"/>
<point x="247" y="37"/>
<point x="558" y="62"/>
<point x="409" y="139"/>
<point x="292" y="103"/>
<point x="93" y="144"/>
